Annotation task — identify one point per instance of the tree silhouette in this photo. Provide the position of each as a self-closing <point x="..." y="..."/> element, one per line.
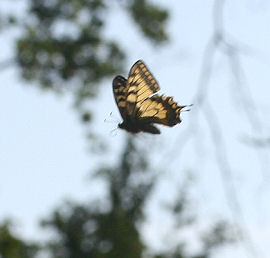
<point x="110" y="229"/>
<point x="65" y="48"/>
<point x="76" y="60"/>
<point x="11" y="246"/>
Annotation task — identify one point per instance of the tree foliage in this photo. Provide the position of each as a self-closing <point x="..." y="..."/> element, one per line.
<point x="63" y="45"/>
<point x="111" y="227"/>
<point x="11" y="246"/>
<point x="107" y="229"/>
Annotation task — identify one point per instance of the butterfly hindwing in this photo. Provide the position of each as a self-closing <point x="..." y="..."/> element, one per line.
<point x="160" y="110"/>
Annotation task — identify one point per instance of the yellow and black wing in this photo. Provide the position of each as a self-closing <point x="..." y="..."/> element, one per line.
<point x="120" y="94"/>
<point x="140" y="85"/>
<point x="138" y="105"/>
<point x="161" y="110"/>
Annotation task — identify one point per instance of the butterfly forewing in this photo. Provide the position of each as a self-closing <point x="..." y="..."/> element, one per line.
<point x="141" y="84"/>
<point x="120" y="94"/>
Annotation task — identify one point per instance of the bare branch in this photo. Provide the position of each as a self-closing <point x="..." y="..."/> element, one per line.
<point x="219" y="43"/>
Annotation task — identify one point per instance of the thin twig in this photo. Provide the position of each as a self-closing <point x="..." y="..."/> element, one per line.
<point x="216" y="42"/>
<point x="227" y="175"/>
<point x="240" y="81"/>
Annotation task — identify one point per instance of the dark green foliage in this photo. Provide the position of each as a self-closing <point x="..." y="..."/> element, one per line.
<point x="11" y="246"/>
<point x="66" y="43"/>
<point x="63" y="47"/>
<point x="63" y="44"/>
<point x="150" y="18"/>
<point x="86" y="117"/>
<point x="6" y="21"/>
<point x="84" y="232"/>
<point x="221" y="233"/>
<point x="108" y="229"/>
<point x="177" y="253"/>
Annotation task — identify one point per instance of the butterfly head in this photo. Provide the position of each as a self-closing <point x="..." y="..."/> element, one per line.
<point x="128" y="126"/>
<point x="121" y="125"/>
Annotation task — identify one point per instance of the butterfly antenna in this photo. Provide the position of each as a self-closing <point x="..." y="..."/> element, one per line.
<point x="109" y="121"/>
<point x="112" y="119"/>
<point x="184" y="108"/>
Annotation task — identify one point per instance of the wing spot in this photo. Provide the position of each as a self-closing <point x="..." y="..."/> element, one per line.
<point x="131" y="98"/>
<point x="147" y="74"/>
<point x="122" y="104"/>
<point x="132" y="89"/>
<point x="149" y="113"/>
<point x="170" y="101"/>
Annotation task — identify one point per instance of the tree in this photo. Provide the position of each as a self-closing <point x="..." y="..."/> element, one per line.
<point x="65" y="48"/>
<point x="11" y="246"/>
<point x="78" y="62"/>
<point x="90" y="230"/>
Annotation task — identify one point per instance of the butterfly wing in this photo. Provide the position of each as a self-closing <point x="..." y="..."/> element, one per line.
<point x="120" y="94"/>
<point x="138" y="106"/>
<point x="140" y="85"/>
<point x="161" y="110"/>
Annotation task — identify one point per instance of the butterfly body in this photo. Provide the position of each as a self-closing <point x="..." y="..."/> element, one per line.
<point x="138" y="104"/>
<point x="136" y="126"/>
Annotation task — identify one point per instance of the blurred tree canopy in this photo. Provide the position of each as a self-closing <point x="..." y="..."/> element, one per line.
<point x="111" y="227"/>
<point x="11" y="246"/>
<point x="106" y="229"/>
<point x="63" y="47"/>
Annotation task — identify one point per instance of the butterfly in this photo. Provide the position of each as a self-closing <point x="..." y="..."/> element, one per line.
<point x="138" y="104"/>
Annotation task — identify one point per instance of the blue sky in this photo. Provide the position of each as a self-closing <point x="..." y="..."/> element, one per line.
<point x="45" y="159"/>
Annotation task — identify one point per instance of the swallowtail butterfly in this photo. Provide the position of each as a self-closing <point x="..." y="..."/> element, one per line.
<point x="138" y="104"/>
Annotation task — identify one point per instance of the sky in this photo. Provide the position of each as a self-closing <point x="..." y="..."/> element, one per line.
<point x="42" y="142"/>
